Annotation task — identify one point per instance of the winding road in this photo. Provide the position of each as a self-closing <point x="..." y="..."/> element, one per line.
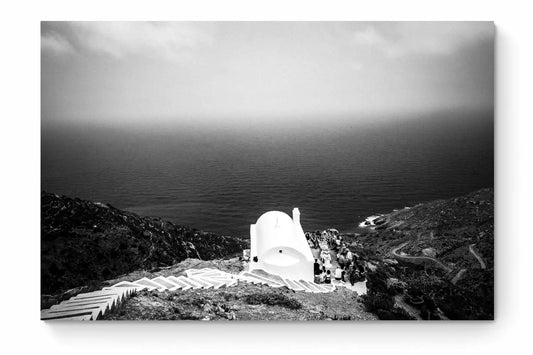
<point x="417" y="259"/>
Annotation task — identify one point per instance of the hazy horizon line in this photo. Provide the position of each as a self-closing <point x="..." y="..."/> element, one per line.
<point x="240" y="121"/>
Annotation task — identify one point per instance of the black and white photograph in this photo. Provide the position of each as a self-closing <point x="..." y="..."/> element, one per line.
<point x="266" y="177"/>
<point x="257" y="171"/>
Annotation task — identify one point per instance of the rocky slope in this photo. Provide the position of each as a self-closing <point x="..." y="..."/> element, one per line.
<point x="243" y="302"/>
<point x="84" y="243"/>
<point x="431" y="261"/>
<point x="437" y="258"/>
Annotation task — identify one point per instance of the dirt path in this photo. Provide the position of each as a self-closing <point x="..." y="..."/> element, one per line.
<point x="476" y="255"/>
<point x="458" y="276"/>
<point x="412" y="311"/>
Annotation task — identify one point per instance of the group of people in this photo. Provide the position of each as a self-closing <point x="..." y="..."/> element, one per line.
<point x="351" y="272"/>
<point x="317" y="238"/>
<point x="348" y="269"/>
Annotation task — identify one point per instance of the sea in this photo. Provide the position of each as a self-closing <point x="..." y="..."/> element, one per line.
<point x="221" y="178"/>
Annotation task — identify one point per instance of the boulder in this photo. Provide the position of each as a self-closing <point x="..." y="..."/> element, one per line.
<point x="396" y="285"/>
<point x="431" y="252"/>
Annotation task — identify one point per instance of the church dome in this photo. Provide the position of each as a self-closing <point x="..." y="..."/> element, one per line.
<point x="278" y="245"/>
<point x="274" y="219"/>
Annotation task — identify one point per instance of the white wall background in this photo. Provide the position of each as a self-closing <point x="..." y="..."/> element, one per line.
<point x="22" y="332"/>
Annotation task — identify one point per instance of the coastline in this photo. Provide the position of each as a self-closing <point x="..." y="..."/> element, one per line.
<point x="445" y="245"/>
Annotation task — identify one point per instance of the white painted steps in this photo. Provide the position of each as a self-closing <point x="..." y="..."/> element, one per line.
<point x="93" y="305"/>
<point x="90" y="305"/>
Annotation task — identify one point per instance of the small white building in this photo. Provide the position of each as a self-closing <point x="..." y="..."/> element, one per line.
<point x="278" y="245"/>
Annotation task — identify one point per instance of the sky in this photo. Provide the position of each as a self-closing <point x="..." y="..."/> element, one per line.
<point x="235" y="73"/>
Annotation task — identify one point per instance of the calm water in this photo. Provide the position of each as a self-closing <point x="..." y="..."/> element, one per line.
<point x="223" y="180"/>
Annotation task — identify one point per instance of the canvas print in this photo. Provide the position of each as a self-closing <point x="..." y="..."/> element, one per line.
<point x="267" y="171"/>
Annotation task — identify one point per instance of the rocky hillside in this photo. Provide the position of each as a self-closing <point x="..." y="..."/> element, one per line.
<point x="84" y="243"/>
<point x="436" y="258"/>
<point x="431" y="261"/>
<point x="246" y="302"/>
<point x="243" y="302"/>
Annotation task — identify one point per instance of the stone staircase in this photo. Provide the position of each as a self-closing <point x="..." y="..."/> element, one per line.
<point x="93" y="305"/>
<point x="89" y="306"/>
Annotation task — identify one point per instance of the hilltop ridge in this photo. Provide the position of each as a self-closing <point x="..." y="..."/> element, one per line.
<point x="84" y="243"/>
<point x="437" y="256"/>
<point x="430" y="261"/>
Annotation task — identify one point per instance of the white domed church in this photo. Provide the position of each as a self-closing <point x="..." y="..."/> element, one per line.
<point x="278" y="245"/>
